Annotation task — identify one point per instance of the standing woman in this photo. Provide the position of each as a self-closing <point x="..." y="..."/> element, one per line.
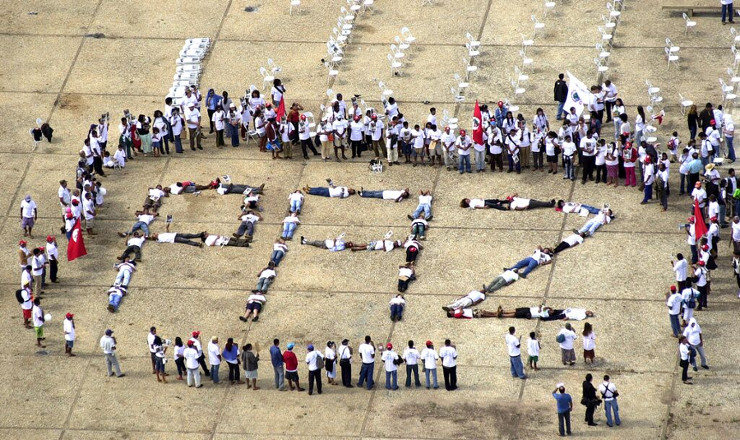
<point x="259" y="127"/>
<point x="294" y="117"/>
<point x="589" y="399"/>
<point x="212" y="101"/>
<point x="612" y="164"/>
<point x="617" y="110"/>
<point x="233" y="122"/>
<point x="256" y="102"/>
<point x="551" y="151"/>
<point x="589" y="344"/>
<point x="540" y="122"/>
<point x="161" y="124"/>
<point x="330" y="357"/>
<point x="277" y="92"/>
<point x="692" y="117"/>
<point x="143" y="129"/>
<point x="231" y="356"/>
<point x="639" y="124"/>
<point x="179" y="359"/>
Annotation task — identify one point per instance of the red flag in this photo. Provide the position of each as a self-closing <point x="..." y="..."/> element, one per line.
<point x="76" y="245"/>
<point x="281" y="109"/>
<point x="700" y="228"/>
<point x="477" y="126"/>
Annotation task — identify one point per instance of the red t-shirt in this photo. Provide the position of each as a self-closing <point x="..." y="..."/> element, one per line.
<point x="291" y="362"/>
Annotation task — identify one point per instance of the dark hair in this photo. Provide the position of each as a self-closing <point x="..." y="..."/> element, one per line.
<point x="532" y="335"/>
<point x="589" y="377"/>
<point x="448" y="342"/>
<point x="606" y="377"/>
<point x="248" y="347"/>
<point x="367" y="338"/>
<point x="511" y="330"/>
<point x="229" y="344"/>
<point x="464" y="203"/>
<point x="411" y="344"/>
<point x="276" y="341"/>
<point x="178" y="341"/>
<point x="587" y="329"/>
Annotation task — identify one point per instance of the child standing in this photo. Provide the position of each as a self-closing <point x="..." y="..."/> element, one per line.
<point x="533" y="350"/>
<point x="673" y="144"/>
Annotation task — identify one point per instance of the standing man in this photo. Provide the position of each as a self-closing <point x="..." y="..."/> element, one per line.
<point x="291" y="367"/>
<point x="150" y="343"/>
<point x="692" y="332"/>
<point x="314" y="358"/>
<point x="430" y="358"/>
<point x="680" y="267"/>
<point x="193" y="120"/>
<point x="69" y="334"/>
<point x="565" y="338"/>
<point x="276" y="357"/>
<point x="27" y="304"/>
<point x="108" y="345"/>
<point x="609" y="393"/>
<point x="448" y="353"/>
<point x="37" y="315"/>
<point x="589" y="395"/>
<point x="515" y="354"/>
<point x="201" y="356"/>
<point x="411" y="356"/>
<point x="389" y="358"/>
<point x="727" y="11"/>
<point x="673" y="301"/>
<point x="367" y="355"/>
<point x="29" y="215"/>
<point x="214" y="358"/>
<point x="610" y="98"/>
<point x="65" y="198"/>
<point x="345" y="359"/>
<point x="561" y="94"/>
<point x="52" y="254"/>
<point x="565" y="405"/>
<point x="463" y="144"/>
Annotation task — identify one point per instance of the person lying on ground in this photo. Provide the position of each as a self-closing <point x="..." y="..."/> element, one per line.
<point x="251" y="201"/>
<point x="174" y="237"/>
<point x="385" y="244"/>
<point x="143" y="220"/>
<point x="265" y="278"/>
<point x="413" y="247"/>
<point x="419" y="227"/>
<point x="540" y="257"/>
<point x="333" y="244"/>
<point x="473" y="298"/>
<point x="502" y="205"/>
<point x="502" y="280"/>
<point x="133" y="246"/>
<point x="397" y="195"/>
<point x="425" y="206"/>
<point x="255" y="302"/>
<point x="236" y="188"/>
<point x="517" y="203"/>
<point x="543" y="313"/>
<point x="570" y="241"/>
<point x="406" y="275"/>
<point x="220" y="240"/>
<point x="604" y="217"/>
<point x="248" y="220"/>
<point x="154" y="198"/>
<point x="125" y="270"/>
<point x="187" y="186"/>
<point x="332" y="191"/>
<point x="574" y="207"/>
<point x="115" y="295"/>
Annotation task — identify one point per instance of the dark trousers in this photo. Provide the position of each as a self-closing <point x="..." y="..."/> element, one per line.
<point x="450" y="375"/>
<point x="366" y="374"/>
<point x="601" y="173"/>
<point x="415" y="370"/>
<point x="247" y="227"/>
<point x="136" y="250"/>
<point x="396" y="311"/>
<point x="693" y="178"/>
<point x="202" y="362"/>
<point x="185" y="239"/>
<point x="561" y="247"/>
<point x="180" y="363"/>
<point x="411" y="255"/>
<point x="307" y="144"/>
<point x="497" y="160"/>
<point x="590" y="414"/>
<point x="98" y="165"/>
<point x="346" y="372"/>
<point x="219" y="138"/>
<point x="314" y="376"/>
<point x="608" y="105"/>
<point x="703" y="290"/>
<point x="588" y="167"/>
<point x="564" y="418"/>
<point x="356" y="148"/>
<point x="538" y="157"/>
<point x="512" y="165"/>
<point x="210" y="118"/>
<point x="53" y="270"/>
<point x="178" y="143"/>
<point x="233" y="371"/>
<point x="727" y="12"/>
<point x="684" y="369"/>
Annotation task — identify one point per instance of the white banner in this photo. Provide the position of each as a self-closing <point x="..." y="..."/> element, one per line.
<point x="579" y="95"/>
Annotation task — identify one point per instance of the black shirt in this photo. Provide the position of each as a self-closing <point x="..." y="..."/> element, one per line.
<point x="589" y="392"/>
<point x="561" y="91"/>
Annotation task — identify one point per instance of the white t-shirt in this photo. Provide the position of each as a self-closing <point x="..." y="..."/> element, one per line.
<point x="250" y="218"/>
<point x="366" y="353"/>
<point x="674" y="303"/>
<point x="518" y="202"/>
<point x="27" y="208"/>
<point x="573" y="239"/>
<point x="589" y="342"/>
<point x="448" y="355"/>
<point x="680" y="268"/>
<point x="175" y="190"/>
<point x="37" y="314"/>
<point x="512" y="342"/>
<point x="89" y="207"/>
<point x="691" y="333"/>
<point x="533" y="347"/>
<point x="476" y="203"/>
<point x="166" y="237"/>
<point x="135" y="241"/>
<point x="69" y="330"/>
<point x="191" y="358"/>
<point x="575" y="314"/>
<point x="268" y="273"/>
<point x="392" y="194"/>
<point x="476" y="295"/>
<point x="430" y="357"/>
<point x="570" y="336"/>
<point x="388" y="357"/>
<point x="295" y="197"/>
<point x="339" y="191"/>
<point x="411" y="356"/>
<point x="213" y="354"/>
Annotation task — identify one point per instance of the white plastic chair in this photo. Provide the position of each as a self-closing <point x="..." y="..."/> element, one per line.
<point x="188" y="60"/>
<point x="669" y="45"/>
<point x="340" y="37"/>
<point x="538" y="25"/>
<point x="655" y="99"/>
<point x="608" y="23"/>
<point x="725" y="87"/>
<point x="599" y="66"/>
<point x="197" y="52"/>
<point x="332" y="74"/>
<point x="605" y="35"/>
<point x="335" y="54"/>
<point x="525" y="61"/>
<point x="734" y="34"/>
<point x="520" y="76"/>
<point x="689" y="23"/>
<point x="402" y="45"/>
<point x="266" y="77"/>
<point x="671" y="57"/>
<point x="273" y="67"/>
<point x="603" y="54"/>
<point x="188" y="68"/>
<point x="549" y="6"/>
<point x="650" y="89"/>
<point x="469" y="68"/>
<point x="457" y="94"/>
<point x="408" y="37"/>
<point x="733" y="78"/>
<point x="354" y="5"/>
<point x="367" y="5"/>
<point x="199" y="41"/>
<point x="473" y="42"/>
<point x="396" y="51"/>
<point x="472" y="52"/>
<point x="395" y="65"/>
<point x="517" y="90"/>
<point x="685" y="103"/>
<point x="295" y="4"/>
<point x="344" y="24"/>
<point x="526" y="42"/>
<point x="345" y="13"/>
<point x="385" y="91"/>
<point x="736" y="56"/>
<point x="461" y="84"/>
<point x="613" y="12"/>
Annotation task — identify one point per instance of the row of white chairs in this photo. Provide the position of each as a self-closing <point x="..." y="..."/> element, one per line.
<point x="188" y="66"/>
<point x="610" y="20"/>
<point x="402" y="44"/>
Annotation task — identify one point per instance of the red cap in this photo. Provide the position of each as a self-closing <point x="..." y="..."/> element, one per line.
<point x="673" y="288"/>
<point x="70" y="215"/>
<point x="50" y="238"/>
<point x="701" y="263"/>
<point x="42" y="248"/>
<point x="191" y="342"/>
<point x="22" y="243"/>
<point x="705" y="247"/>
<point x="357" y="117"/>
<point x="70" y="316"/>
<point x="268" y="105"/>
<point x="463" y="132"/>
<point x="713" y="219"/>
<point x="303" y="117"/>
<point x="647" y="159"/>
<point x="196" y="334"/>
<point x="429" y="343"/>
<point x="692" y="219"/>
<point x="500" y="103"/>
<point x="712" y="122"/>
<point x="389" y="346"/>
<point x="75" y="202"/>
<point x="509" y="198"/>
<point x="374" y="117"/>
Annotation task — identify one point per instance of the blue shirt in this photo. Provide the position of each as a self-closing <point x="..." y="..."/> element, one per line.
<point x="695" y="166"/>
<point x="275" y="356"/>
<point x="564" y="402"/>
<point x="230" y="355"/>
<point x="213" y="101"/>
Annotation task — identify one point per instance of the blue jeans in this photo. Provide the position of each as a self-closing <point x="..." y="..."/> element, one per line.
<point x="372" y="194"/>
<point x="512" y="166"/>
<point x="480" y="160"/>
<point x="277" y="257"/>
<point x="289" y="229"/>
<point x="397" y="311"/>
<point x="433" y="372"/>
<point x="296" y="205"/>
<point x="366" y="374"/>
<point x="560" y="110"/>
<point x="319" y="191"/>
<point x="234" y="136"/>
<point x="675" y="326"/>
<point x="730" y="145"/>
<point x="263" y="284"/>
<point x="139" y="225"/>
<point x="419" y="230"/>
<point x="591" y="226"/>
<point x="415" y="370"/>
<point x="610" y="405"/>
<point x="123" y="278"/>
<point x="426" y="207"/>
<point x="464" y="163"/>
<point x="648" y="193"/>
<point x="391" y="376"/>
<point x="684" y="178"/>
<point x="590" y="209"/>
<point x="727" y="11"/>
<point x="529" y="263"/>
<point x="569" y="169"/>
<point x="517" y="369"/>
<point x="178" y="143"/>
<point x="214" y="373"/>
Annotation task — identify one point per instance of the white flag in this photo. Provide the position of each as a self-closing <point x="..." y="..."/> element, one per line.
<point x="579" y="95"/>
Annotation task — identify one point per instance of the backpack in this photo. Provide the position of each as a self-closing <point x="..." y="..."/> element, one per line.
<point x="560" y="338"/>
<point x="19" y="296"/>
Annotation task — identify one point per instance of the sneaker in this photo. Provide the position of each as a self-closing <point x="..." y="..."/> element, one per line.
<point x="303" y="240"/>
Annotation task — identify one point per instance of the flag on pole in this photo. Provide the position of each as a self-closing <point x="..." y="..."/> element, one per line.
<point x="477" y="126"/>
<point x="76" y="244"/>
<point x="281" y="109"/>
<point x="700" y="228"/>
<point x="579" y="95"/>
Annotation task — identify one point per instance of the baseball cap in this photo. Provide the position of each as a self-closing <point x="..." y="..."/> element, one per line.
<point x="310" y="347"/>
<point x="196" y="334"/>
<point x="70" y="316"/>
<point x="108" y="332"/>
<point x="190" y="342"/>
<point x="673" y="288"/>
<point x="429" y="343"/>
<point x="22" y="242"/>
<point x="290" y="345"/>
<point x="28" y="198"/>
<point x="701" y="263"/>
<point x="50" y="238"/>
<point x="389" y="346"/>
